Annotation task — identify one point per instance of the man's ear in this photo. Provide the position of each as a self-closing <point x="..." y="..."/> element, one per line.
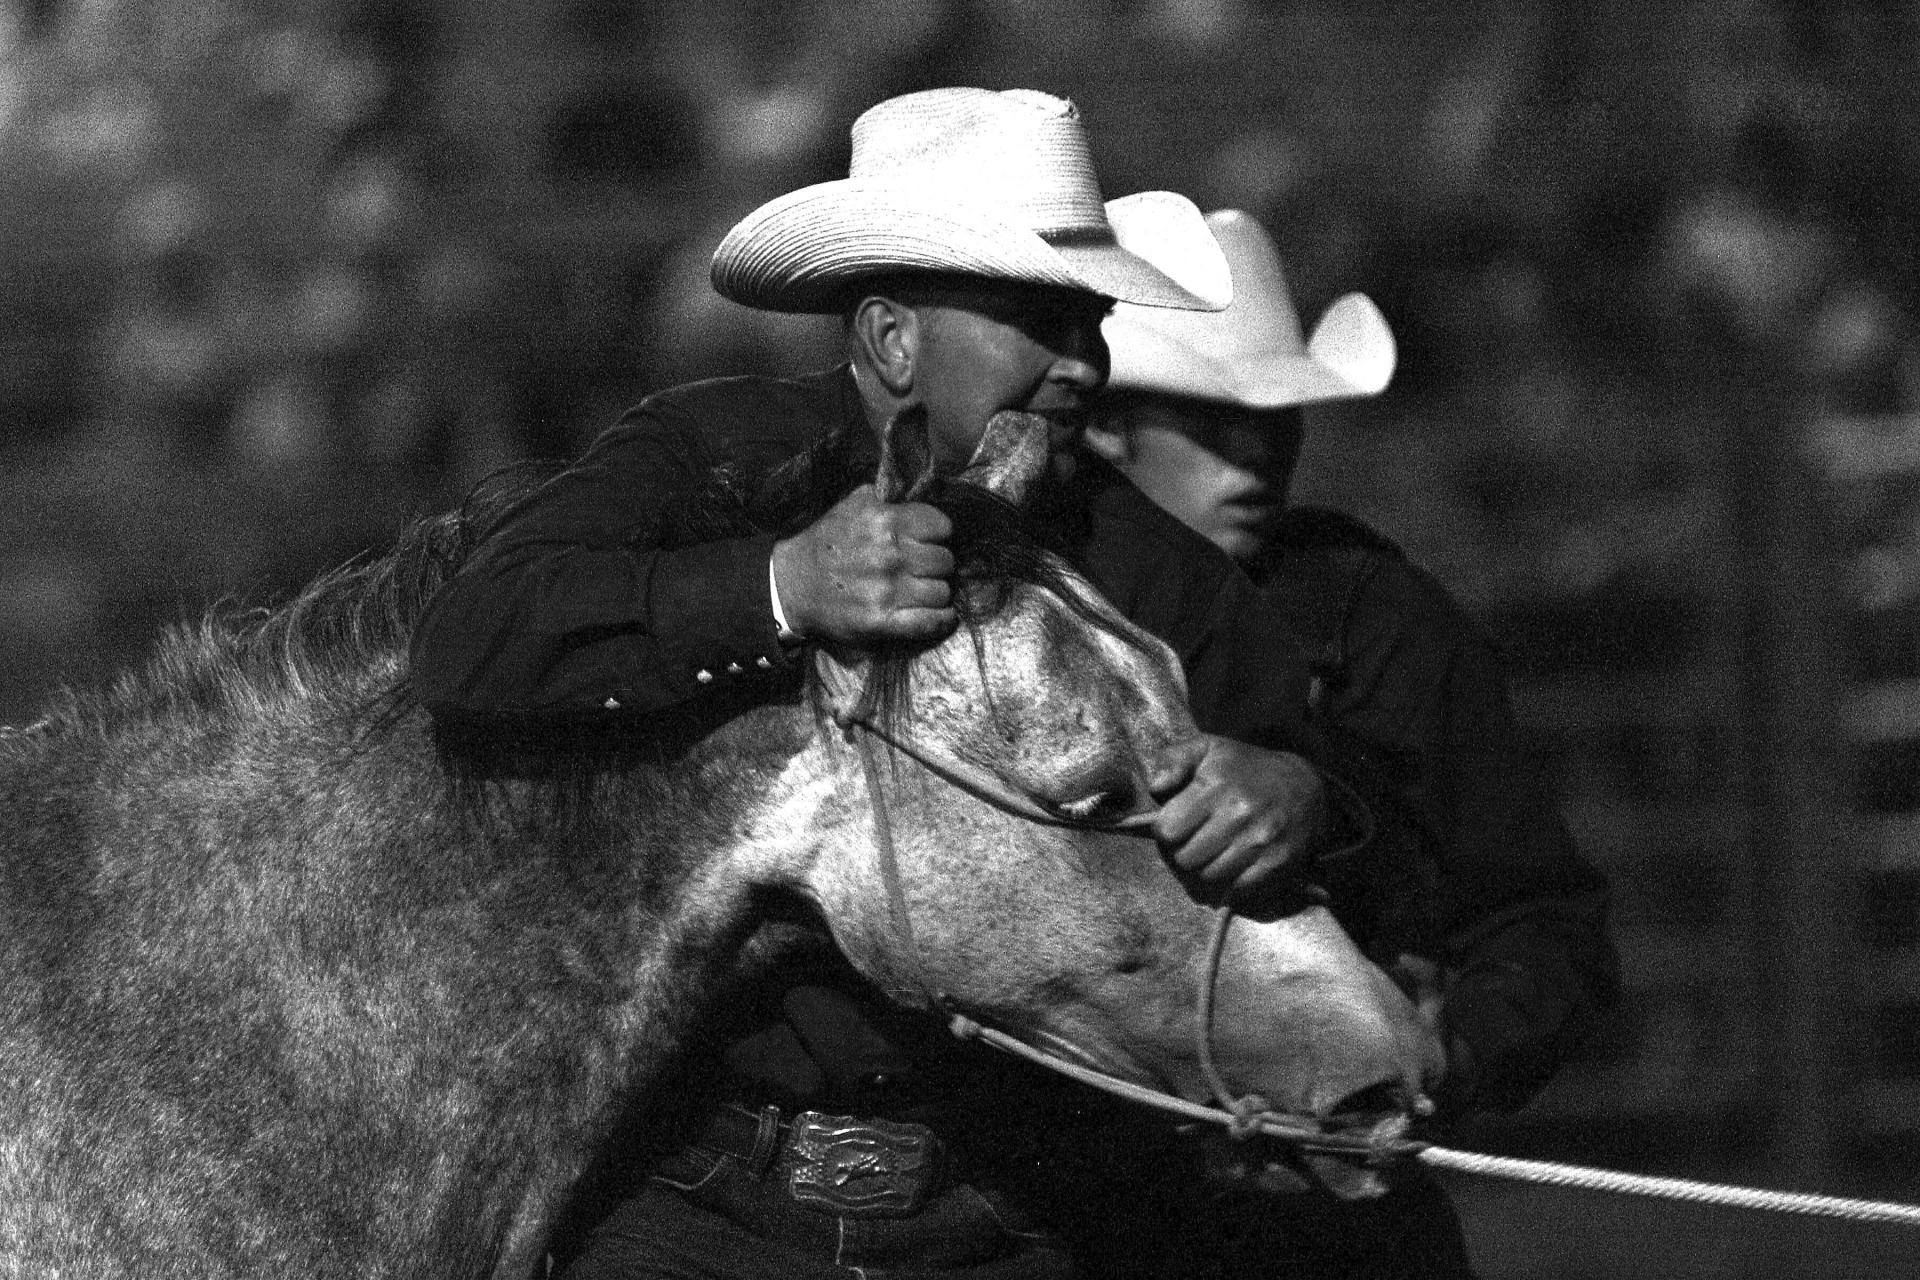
<point x="1012" y="454"/>
<point x="885" y="337"/>
<point x="906" y="456"/>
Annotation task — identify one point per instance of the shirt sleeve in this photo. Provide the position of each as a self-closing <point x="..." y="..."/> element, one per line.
<point x="597" y="593"/>
<point x="1520" y="913"/>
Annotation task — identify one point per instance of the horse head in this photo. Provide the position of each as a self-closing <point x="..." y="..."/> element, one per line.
<point x="981" y="870"/>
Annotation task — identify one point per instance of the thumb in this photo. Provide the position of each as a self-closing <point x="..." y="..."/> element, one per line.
<point x="1173" y="765"/>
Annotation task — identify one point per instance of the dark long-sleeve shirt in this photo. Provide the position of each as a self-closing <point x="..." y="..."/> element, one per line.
<point x="601" y="592"/>
<point x="618" y="587"/>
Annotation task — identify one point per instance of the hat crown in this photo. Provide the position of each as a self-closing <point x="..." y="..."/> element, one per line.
<point x="1252" y="353"/>
<point x="1262" y="302"/>
<point x="1019" y="150"/>
<point x="971" y="182"/>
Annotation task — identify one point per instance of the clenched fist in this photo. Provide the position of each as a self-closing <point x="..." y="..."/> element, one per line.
<point x="867" y="572"/>
<point x="1234" y="815"/>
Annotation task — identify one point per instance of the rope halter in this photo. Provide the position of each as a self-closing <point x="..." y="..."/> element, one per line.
<point x="1244" y="1115"/>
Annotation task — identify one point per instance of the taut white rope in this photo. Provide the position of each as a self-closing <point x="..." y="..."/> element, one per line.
<point x="1553" y="1173"/>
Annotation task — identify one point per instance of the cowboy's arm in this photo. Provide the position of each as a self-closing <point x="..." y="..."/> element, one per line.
<point x="1529" y="965"/>
<point x="585" y="598"/>
<point x="1533" y="968"/>
<point x="1249" y="797"/>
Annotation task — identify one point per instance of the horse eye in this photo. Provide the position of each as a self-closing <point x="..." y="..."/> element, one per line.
<point x="1084" y="809"/>
<point x="1098" y="806"/>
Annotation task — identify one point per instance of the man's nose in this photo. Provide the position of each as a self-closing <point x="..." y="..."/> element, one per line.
<point x="1245" y="445"/>
<point x="1083" y="360"/>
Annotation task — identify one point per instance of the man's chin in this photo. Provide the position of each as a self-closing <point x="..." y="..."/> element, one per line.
<point x="1240" y="543"/>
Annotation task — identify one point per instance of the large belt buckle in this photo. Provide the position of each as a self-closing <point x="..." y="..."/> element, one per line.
<point x="861" y="1168"/>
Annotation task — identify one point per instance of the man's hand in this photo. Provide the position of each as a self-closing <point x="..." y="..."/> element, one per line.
<point x="1425" y="983"/>
<point x="868" y="571"/>
<point x="1232" y="814"/>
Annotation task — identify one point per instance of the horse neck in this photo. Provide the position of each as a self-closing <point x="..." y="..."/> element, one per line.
<point x="697" y="843"/>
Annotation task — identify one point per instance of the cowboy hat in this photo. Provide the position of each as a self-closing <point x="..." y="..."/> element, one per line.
<point x="971" y="182"/>
<point x="1250" y="354"/>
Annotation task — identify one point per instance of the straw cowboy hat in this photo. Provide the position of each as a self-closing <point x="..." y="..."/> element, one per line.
<point x="974" y="182"/>
<point x="1250" y="354"/>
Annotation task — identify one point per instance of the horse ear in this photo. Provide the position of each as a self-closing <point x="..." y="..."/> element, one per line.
<point x="906" y="456"/>
<point x="1011" y="455"/>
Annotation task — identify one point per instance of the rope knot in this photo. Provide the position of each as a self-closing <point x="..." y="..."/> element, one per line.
<point x="1250" y="1114"/>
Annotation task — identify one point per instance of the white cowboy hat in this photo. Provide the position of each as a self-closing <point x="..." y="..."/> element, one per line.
<point x="972" y="182"/>
<point x="1250" y="354"/>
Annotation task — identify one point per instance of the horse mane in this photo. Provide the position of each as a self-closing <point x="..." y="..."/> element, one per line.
<point x="344" y="634"/>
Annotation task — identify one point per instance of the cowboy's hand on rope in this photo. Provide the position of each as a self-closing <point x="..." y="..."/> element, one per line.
<point x="868" y="572"/>
<point x="1233" y="815"/>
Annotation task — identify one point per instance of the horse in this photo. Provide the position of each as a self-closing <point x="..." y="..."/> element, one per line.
<point x="284" y="990"/>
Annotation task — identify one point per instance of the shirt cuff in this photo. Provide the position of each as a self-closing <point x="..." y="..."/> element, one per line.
<point x="787" y="635"/>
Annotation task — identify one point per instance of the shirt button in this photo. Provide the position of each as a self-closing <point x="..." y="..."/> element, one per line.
<point x="611" y="704"/>
<point x="703" y="676"/>
<point x="763" y="662"/>
<point x="733" y="668"/>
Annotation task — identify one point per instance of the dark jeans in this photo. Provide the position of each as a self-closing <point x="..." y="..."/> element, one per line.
<point x="706" y="1217"/>
<point x="730" y="1227"/>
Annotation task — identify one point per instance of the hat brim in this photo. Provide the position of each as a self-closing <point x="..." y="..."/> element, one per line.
<point x="807" y="250"/>
<point x="1351" y="355"/>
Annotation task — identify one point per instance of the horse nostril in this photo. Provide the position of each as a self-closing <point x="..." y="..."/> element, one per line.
<point x="1363" y="1106"/>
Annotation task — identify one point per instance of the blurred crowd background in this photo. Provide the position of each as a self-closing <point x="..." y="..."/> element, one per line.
<point x="279" y="275"/>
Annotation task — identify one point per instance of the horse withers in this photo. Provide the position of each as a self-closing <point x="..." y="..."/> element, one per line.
<point x="283" y="994"/>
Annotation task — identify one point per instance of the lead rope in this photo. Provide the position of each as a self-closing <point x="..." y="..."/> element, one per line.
<point x="1246" y="1109"/>
<point x="1552" y="1173"/>
<point x="1250" y="1115"/>
<point x="890" y="860"/>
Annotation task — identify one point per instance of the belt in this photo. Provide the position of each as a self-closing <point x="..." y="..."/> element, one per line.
<point x="844" y="1165"/>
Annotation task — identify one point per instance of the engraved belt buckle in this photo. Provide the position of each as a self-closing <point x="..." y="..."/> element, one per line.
<point x="861" y="1168"/>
